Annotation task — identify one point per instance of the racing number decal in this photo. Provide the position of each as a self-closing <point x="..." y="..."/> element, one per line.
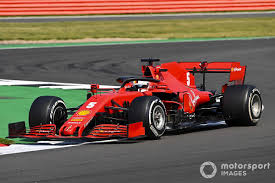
<point x="188" y="79"/>
<point x="91" y="105"/>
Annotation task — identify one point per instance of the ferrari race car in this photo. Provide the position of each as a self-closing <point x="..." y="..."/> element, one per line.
<point x="164" y="98"/>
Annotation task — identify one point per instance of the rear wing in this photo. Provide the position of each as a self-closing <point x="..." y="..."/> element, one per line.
<point x="185" y="71"/>
<point x="237" y="72"/>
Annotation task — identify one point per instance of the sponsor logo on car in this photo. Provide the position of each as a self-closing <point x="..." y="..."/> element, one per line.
<point x="83" y="113"/>
<point x="77" y="119"/>
<point x="77" y="123"/>
<point x="68" y="128"/>
<point x="236" y="69"/>
<point x="194" y="99"/>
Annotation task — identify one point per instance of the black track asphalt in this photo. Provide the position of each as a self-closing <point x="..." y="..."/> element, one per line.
<point x="139" y="17"/>
<point x="174" y="158"/>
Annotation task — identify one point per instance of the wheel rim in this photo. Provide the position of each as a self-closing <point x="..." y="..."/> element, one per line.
<point x="256" y="106"/>
<point x="158" y="117"/>
<point x="58" y="114"/>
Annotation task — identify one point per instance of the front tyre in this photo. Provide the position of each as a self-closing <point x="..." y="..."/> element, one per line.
<point x="47" y="110"/>
<point x="242" y="105"/>
<point x="151" y="111"/>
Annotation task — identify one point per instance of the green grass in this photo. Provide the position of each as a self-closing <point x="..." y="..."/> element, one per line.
<point x="164" y="29"/>
<point x="15" y="102"/>
<point x="6" y="141"/>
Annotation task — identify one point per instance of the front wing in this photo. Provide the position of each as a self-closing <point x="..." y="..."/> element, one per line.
<point x="102" y="131"/>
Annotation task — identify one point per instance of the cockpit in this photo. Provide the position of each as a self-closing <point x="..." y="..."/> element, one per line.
<point x="131" y="83"/>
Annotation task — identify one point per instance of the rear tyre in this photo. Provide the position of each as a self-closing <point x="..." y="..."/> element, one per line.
<point x="242" y="105"/>
<point x="151" y="111"/>
<point x="47" y="110"/>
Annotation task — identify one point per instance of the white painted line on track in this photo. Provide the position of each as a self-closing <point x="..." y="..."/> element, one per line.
<point x="20" y="148"/>
<point x="65" y="86"/>
<point x="44" y="145"/>
<point x="68" y="87"/>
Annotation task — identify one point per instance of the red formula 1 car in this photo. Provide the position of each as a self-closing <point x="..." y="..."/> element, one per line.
<point x="165" y="98"/>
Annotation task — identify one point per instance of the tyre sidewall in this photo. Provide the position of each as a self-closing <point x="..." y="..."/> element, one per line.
<point x="152" y="129"/>
<point x="252" y="118"/>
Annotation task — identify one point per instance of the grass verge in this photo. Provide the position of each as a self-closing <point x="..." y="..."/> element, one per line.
<point x="158" y="29"/>
<point x="6" y="141"/>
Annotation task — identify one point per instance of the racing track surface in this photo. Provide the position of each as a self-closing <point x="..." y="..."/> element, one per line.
<point x="174" y="158"/>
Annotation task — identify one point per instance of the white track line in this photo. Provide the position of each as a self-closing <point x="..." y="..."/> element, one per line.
<point x="44" y="145"/>
<point x="57" y="85"/>
<point x="68" y="87"/>
<point x="79" y="87"/>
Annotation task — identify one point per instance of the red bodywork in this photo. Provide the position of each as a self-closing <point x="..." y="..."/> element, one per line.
<point x="175" y="78"/>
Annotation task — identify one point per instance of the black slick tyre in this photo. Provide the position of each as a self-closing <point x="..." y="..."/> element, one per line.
<point x="47" y="110"/>
<point x="242" y="105"/>
<point x="151" y="111"/>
